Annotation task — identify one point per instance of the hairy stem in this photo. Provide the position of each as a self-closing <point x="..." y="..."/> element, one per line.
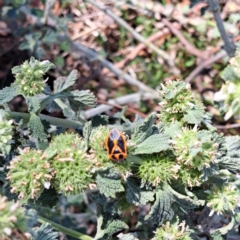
<point x="66" y="123"/>
<point x="65" y="230"/>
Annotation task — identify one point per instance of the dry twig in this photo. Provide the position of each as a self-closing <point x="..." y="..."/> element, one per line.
<point x="138" y="37"/>
<point x="189" y="47"/>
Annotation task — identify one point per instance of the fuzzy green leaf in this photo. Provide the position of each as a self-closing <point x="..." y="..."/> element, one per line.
<point x="112" y="227"/>
<point x="184" y="201"/>
<point x="229" y="74"/>
<point x="86" y="133"/>
<point x="79" y="99"/>
<point x="109" y="183"/>
<point x="153" y="144"/>
<point x="230" y="160"/>
<point x="232" y="143"/>
<point x="161" y="210"/>
<point x="194" y="115"/>
<point x="36" y="128"/>
<point x="33" y="104"/>
<point x="178" y="88"/>
<point x="7" y="94"/>
<point x="70" y="81"/>
<point x="135" y="195"/>
<point x="45" y="232"/>
<point x="99" y="120"/>
<point x="144" y="130"/>
<point x="216" y="235"/>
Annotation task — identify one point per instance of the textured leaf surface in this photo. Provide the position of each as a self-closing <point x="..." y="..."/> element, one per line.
<point x="184" y="201"/>
<point x="108" y="217"/>
<point x="135" y="195"/>
<point x="71" y="79"/>
<point x="111" y="228"/>
<point x="194" y="115"/>
<point x="33" y="104"/>
<point x="79" y="99"/>
<point x="7" y="94"/>
<point x="45" y="232"/>
<point x="86" y="133"/>
<point x="99" y="120"/>
<point x="153" y="144"/>
<point x="161" y="210"/>
<point x="109" y="183"/>
<point x="230" y="160"/>
<point x="144" y="130"/>
<point x="36" y="127"/>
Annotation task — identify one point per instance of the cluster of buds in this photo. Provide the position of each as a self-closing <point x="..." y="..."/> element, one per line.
<point x="29" y="173"/>
<point x="6" y="133"/>
<point x="64" y="165"/>
<point x="13" y="221"/>
<point x="173" y="231"/>
<point x="29" y="76"/>
<point x="177" y="101"/>
<point x="156" y="169"/>
<point x="224" y="199"/>
<point x="194" y="150"/>
<point x="72" y="166"/>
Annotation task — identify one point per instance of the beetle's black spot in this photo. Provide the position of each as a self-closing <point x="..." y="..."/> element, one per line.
<point x="114" y="157"/>
<point x="110" y="145"/>
<point x="121" y="144"/>
<point x="120" y="156"/>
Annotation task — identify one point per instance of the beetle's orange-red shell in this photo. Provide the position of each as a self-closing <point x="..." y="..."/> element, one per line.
<point x="116" y="146"/>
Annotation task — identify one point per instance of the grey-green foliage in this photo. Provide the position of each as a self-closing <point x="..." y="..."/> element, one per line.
<point x="108" y="218"/>
<point x="109" y="182"/>
<point x="136" y="195"/>
<point x="161" y="210"/>
<point x="144" y="130"/>
<point x="33" y="104"/>
<point x="7" y="94"/>
<point x="153" y="144"/>
<point x="230" y="158"/>
<point x="36" y="128"/>
<point x="45" y="232"/>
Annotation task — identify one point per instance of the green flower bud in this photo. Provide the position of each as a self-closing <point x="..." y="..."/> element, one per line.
<point x="173" y="231"/>
<point x="72" y="166"/>
<point x="6" y="132"/>
<point x="97" y="144"/>
<point x="29" y="76"/>
<point x="177" y="103"/>
<point x="12" y="220"/>
<point x="30" y="173"/>
<point x="224" y="200"/>
<point x="156" y="169"/>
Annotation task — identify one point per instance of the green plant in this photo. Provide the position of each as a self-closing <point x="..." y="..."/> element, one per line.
<point x="176" y="160"/>
<point x="228" y="98"/>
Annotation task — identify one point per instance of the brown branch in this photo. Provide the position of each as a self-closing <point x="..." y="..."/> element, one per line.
<point x="138" y="48"/>
<point x="229" y="126"/>
<point x="189" y="47"/>
<point x="205" y="64"/>
<point x="121" y="107"/>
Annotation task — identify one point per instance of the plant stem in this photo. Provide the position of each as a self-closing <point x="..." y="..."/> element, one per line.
<point x="229" y="46"/>
<point x="138" y="37"/>
<point x="65" y="230"/>
<point x="66" y="123"/>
